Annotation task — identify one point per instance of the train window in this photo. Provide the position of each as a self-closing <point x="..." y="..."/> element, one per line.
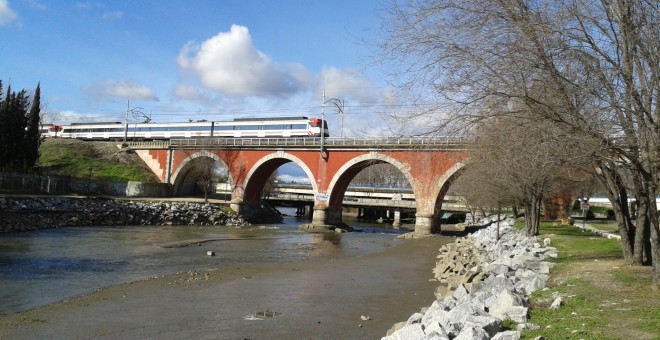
<point x="299" y="126"/>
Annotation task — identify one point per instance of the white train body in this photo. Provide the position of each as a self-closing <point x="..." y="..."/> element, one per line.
<point x="238" y="128"/>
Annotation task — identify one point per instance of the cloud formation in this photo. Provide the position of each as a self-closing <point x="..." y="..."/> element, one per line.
<point x="121" y="89"/>
<point x="230" y="64"/>
<point x="345" y="83"/>
<point x="7" y="15"/>
<point x="188" y="92"/>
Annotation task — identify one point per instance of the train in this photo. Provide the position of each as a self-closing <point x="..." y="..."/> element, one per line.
<point x="238" y="128"/>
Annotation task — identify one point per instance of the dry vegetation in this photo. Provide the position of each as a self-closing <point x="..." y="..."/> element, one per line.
<point x="95" y="160"/>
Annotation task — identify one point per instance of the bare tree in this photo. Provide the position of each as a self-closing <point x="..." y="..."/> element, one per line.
<point x="592" y="68"/>
<point x="270" y="184"/>
<point x="381" y="174"/>
<point x="205" y="168"/>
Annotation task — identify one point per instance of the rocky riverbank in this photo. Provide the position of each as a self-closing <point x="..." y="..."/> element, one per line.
<point x="32" y="213"/>
<point x="483" y="282"/>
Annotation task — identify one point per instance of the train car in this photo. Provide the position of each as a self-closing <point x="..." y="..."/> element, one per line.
<point x="238" y="128"/>
<point x="50" y="130"/>
<point x="270" y="127"/>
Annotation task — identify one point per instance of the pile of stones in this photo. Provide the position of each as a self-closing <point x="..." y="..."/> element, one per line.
<point x="483" y="281"/>
<point x="22" y="214"/>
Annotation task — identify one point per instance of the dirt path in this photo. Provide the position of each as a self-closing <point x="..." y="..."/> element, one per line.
<point x="322" y="299"/>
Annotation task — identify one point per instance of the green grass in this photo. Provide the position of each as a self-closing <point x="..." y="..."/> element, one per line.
<point x="89" y="160"/>
<point x="603" y="297"/>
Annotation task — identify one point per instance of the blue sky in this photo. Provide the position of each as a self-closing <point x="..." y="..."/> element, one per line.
<point x="180" y="60"/>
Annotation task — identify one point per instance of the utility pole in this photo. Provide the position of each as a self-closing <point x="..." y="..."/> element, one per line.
<point x="340" y="109"/>
<point x="323" y="125"/>
<point x="128" y="105"/>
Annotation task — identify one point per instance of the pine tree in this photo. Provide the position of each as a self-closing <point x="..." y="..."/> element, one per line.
<point x="12" y="130"/>
<point x="19" y="129"/>
<point x="3" y="128"/>
<point x="33" y="139"/>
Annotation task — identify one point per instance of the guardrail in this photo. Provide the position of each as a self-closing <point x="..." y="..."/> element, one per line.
<point x="366" y="201"/>
<point x="329" y="143"/>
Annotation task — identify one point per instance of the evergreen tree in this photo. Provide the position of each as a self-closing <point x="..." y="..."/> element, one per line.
<point x="13" y="123"/>
<point x="16" y="136"/>
<point x="3" y="128"/>
<point x="33" y="139"/>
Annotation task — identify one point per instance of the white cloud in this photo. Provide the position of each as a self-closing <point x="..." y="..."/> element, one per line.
<point x="230" y="64"/>
<point x="188" y="92"/>
<point x="7" y="15"/>
<point x="293" y="179"/>
<point x="346" y="83"/>
<point x="121" y="89"/>
<point x="67" y="117"/>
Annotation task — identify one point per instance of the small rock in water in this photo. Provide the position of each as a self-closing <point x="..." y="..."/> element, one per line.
<point x="210" y="253"/>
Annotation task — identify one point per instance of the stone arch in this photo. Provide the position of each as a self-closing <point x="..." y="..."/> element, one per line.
<point x="441" y="188"/>
<point x="185" y="176"/>
<point x="350" y="169"/>
<point x="264" y="167"/>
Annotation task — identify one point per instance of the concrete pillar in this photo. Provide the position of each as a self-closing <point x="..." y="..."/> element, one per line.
<point x="236" y="206"/>
<point x="423" y="223"/>
<point x="397" y="220"/>
<point x="319" y="216"/>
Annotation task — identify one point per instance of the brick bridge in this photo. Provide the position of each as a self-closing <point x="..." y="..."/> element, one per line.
<point x="429" y="164"/>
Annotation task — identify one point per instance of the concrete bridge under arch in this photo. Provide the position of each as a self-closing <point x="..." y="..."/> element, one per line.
<point x="429" y="164"/>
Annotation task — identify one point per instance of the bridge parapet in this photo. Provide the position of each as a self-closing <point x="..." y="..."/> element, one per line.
<point x="430" y="143"/>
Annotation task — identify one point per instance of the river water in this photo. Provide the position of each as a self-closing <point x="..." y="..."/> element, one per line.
<point x="47" y="266"/>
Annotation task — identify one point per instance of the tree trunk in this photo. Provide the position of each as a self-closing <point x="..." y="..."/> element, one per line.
<point x="532" y="215"/>
<point x="654" y="231"/>
<point x="618" y="196"/>
<point x="642" y="221"/>
<point x="641" y="228"/>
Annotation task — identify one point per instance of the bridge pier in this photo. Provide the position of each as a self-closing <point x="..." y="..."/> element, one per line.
<point x="424" y="223"/>
<point x="397" y="219"/>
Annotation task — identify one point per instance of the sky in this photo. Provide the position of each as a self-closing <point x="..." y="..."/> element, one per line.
<point x="181" y="60"/>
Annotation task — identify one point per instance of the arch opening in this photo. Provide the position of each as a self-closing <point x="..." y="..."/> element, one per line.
<point x="279" y="180"/>
<point x="450" y="205"/>
<point x="202" y="174"/>
<point x="373" y="188"/>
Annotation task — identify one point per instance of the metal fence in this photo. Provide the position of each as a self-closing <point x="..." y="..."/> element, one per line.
<point x="409" y="143"/>
<point x="34" y="184"/>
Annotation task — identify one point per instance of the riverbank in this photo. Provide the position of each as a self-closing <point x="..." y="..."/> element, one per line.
<point x="24" y="213"/>
<point x="319" y="299"/>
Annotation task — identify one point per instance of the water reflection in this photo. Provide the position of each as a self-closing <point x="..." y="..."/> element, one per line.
<point x="42" y="267"/>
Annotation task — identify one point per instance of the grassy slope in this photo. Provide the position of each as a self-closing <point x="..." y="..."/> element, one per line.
<point x="95" y="160"/>
<point x="603" y="297"/>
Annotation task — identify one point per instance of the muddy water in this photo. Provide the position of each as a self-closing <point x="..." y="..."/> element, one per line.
<point x="44" y="267"/>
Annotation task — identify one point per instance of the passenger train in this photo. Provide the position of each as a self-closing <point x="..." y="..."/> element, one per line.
<point x="238" y="128"/>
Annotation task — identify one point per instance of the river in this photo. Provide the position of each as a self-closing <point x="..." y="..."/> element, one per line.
<point x="47" y="266"/>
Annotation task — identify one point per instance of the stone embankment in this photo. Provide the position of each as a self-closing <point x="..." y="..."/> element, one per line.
<point x="21" y="214"/>
<point x="483" y="282"/>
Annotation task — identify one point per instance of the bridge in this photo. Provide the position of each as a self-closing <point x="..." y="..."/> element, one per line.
<point x="362" y="196"/>
<point x="429" y="164"/>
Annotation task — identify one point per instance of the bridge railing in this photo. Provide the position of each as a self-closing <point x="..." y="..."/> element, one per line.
<point x="331" y="142"/>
